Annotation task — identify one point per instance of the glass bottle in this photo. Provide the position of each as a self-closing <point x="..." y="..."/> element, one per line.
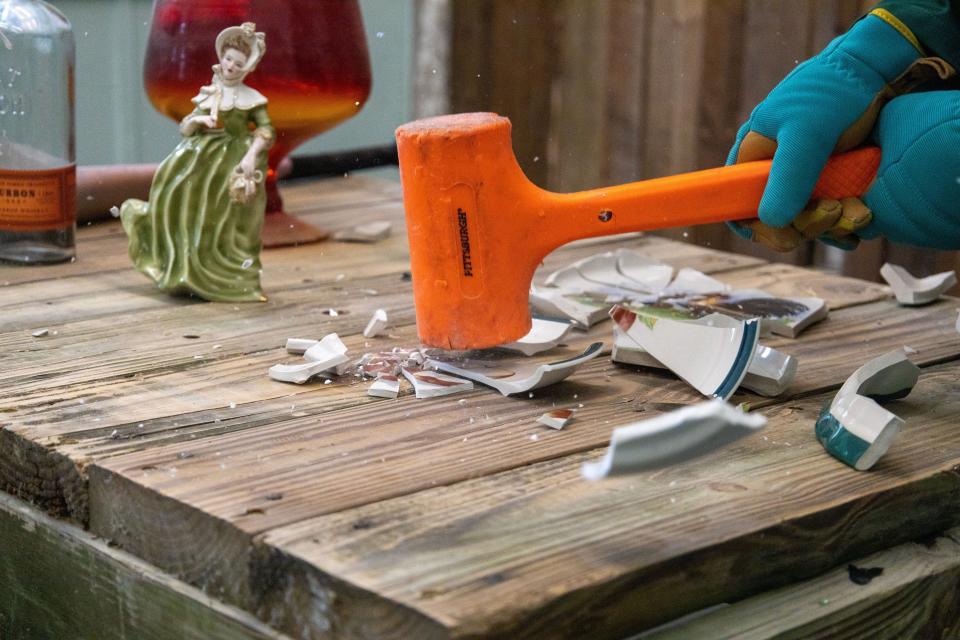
<point x="37" y="154"/>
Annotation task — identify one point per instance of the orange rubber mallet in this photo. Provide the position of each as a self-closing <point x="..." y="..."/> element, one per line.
<point x="478" y="228"/>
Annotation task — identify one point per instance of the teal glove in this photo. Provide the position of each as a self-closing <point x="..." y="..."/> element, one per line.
<point x="915" y="198"/>
<point x="828" y="103"/>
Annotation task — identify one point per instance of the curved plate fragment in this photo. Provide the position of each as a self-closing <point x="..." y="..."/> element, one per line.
<point x="769" y="374"/>
<point x="672" y="438"/>
<point x="562" y="303"/>
<point x="911" y="291"/>
<point x="853" y="427"/>
<point x="544" y="335"/>
<point x="431" y="384"/>
<point x="524" y="378"/>
<point x="713" y="360"/>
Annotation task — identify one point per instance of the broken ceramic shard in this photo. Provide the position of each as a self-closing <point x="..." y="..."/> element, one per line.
<point x="581" y="309"/>
<point x="299" y="346"/>
<point x="912" y="291"/>
<point x="603" y="269"/>
<point x="570" y="280"/>
<point x="783" y="316"/>
<point x="713" y="360"/>
<point x="376" y="325"/>
<point x="857" y="431"/>
<point x="522" y="378"/>
<point x="690" y="281"/>
<point x="673" y="438"/>
<point x="854" y="428"/>
<point x="769" y="373"/>
<point x="367" y="232"/>
<point x="385" y="386"/>
<point x="431" y="384"/>
<point x="649" y="274"/>
<point x="321" y="357"/>
<point x="580" y="290"/>
<point x="544" y="335"/>
<point x="556" y="419"/>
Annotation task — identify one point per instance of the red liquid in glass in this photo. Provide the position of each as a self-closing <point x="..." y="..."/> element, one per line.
<point x="315" y="74"/>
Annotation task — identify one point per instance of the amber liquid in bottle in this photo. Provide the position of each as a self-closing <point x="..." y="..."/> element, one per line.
<point x="37" y="170"/>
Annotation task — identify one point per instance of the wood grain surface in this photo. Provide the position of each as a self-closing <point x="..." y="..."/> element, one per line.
<point x="914" y="597"/>
<point x="328" y="513"/>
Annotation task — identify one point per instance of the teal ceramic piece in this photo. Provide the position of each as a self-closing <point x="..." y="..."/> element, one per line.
<point x="853" y="427"/>
<point x="839" y="442"/>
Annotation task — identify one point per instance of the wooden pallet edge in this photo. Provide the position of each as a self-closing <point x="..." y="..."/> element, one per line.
<point x="59" y="581"/>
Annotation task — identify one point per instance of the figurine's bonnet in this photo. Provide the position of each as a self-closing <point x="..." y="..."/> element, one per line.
<point x="247" y="32"/>
<point x="213" y="96"/>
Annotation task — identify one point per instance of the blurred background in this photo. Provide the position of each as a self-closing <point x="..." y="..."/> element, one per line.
<point x="600" y="92"/>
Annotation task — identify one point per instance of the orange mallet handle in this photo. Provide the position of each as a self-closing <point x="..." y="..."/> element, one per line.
<point x="701" y="197"/>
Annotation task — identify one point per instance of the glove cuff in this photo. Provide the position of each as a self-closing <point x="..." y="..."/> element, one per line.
<point x="881" y="43"/>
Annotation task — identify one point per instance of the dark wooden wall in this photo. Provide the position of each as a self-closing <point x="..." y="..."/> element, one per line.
<point x="608" y="91"/>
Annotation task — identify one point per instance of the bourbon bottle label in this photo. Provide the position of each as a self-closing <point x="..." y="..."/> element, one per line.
<point x="37" y="200"/>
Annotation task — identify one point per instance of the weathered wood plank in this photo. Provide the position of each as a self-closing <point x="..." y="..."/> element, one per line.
<point x="538" y="551"/>
<point x="57" y="581"/>
<point x="625" y="105"/>
<point x="330" y="461"/>
<point x="49" y="303"/>
<point x="915" y="597"/>
<point x="579" y="153"/>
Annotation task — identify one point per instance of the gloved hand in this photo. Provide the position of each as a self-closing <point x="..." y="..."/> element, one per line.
<point x="915" y="198"/>
<point x="826" y="104"/>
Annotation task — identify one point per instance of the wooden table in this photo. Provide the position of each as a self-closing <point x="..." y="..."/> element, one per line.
<point x="322" y="512"/>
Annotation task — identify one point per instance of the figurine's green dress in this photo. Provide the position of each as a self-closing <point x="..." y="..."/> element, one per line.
<point x="190" y="237"/>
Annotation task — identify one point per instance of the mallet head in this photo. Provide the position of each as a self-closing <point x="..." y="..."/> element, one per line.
<point x="468" y="206"/>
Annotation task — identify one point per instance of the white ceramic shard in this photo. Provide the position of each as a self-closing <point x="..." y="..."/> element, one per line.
<point x="571" y="280"/>
<point x="713" y="360"/>
<point x="912" y="291"/>
<point x="431" y="384"/>
<point x="385" y="386"/>
<point x="887" y="377"/>
<point x="378" y="322"/>
<point x="367" y="232"/>
<point x="544" y="335"/>
<point x="673" y="438"/>
<point x="769" y="374"/>
<point x="323" y="356"/>
<point x="603" y="270"/>
<point x="651" y="275"/>
<point x="556" y="419"/>
<point x="299" y="345"/>
<point x="688" y="281"/>
<point x="523" y="378"/>
<point x="854" y="428"/>
<point x="561" y="303"/>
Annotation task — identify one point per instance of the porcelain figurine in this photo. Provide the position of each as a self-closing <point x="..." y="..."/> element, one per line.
<point x="199" y="233"/>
